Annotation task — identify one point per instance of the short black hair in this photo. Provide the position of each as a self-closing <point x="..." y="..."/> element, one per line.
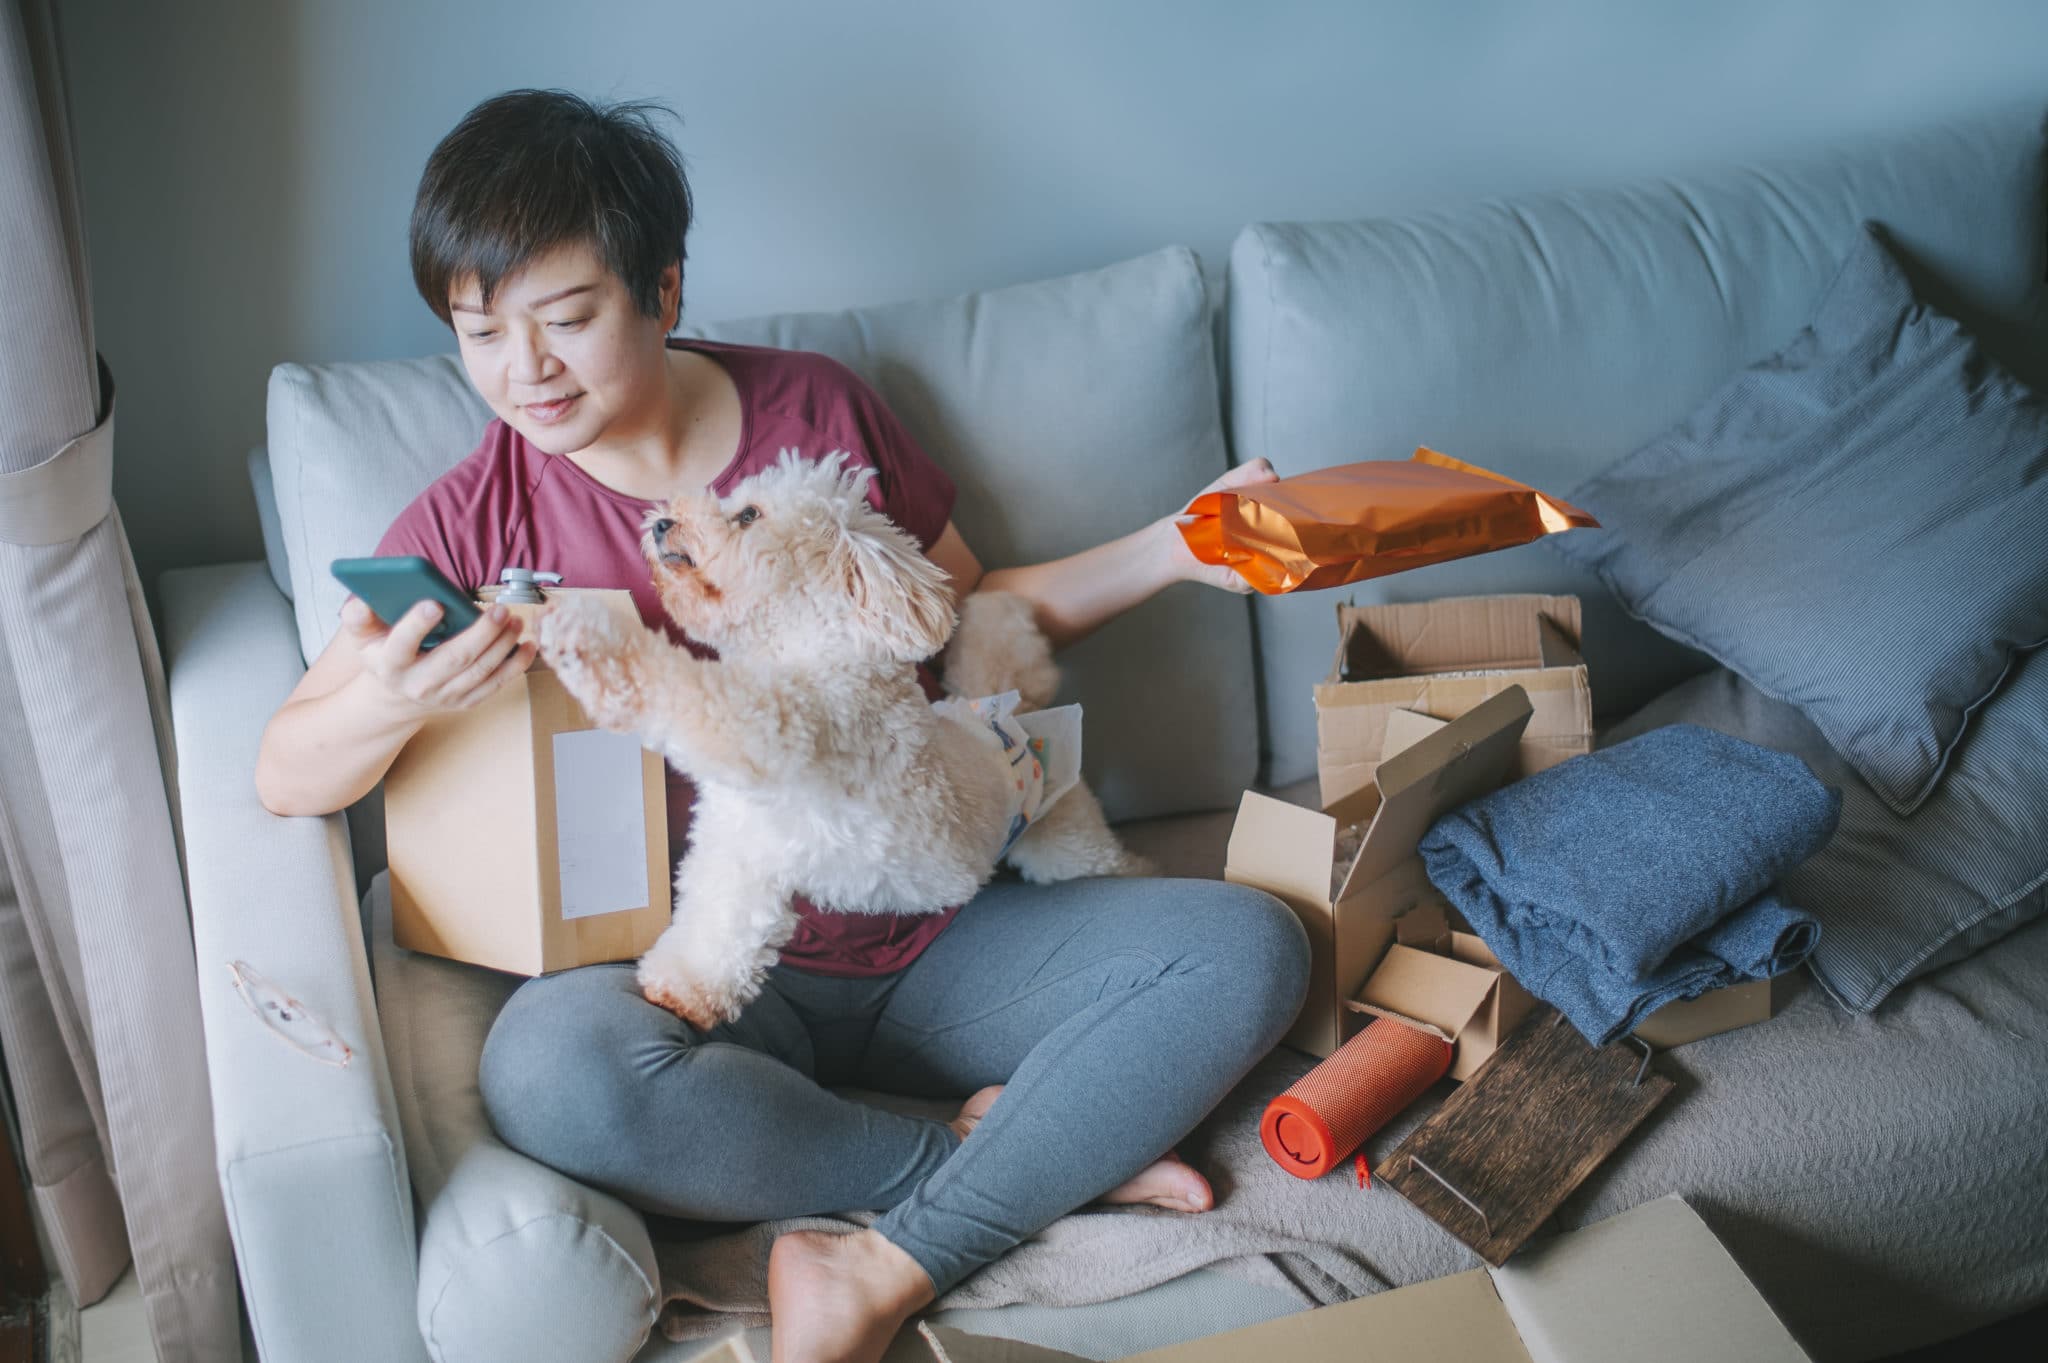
<point x="528" y="171"/>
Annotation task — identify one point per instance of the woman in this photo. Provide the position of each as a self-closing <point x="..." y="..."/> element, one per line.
<point x="1109" y="1015"/>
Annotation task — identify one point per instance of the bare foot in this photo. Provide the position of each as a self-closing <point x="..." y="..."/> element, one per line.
<point x="840" y="1298"/>
<point x="1168" y="1182"/>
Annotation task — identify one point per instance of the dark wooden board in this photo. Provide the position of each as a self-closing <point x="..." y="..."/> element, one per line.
<point x="1538" y="1117"/>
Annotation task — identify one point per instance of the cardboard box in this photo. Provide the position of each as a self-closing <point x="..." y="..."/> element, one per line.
<point x="522" y="837"/>
<point x="1450" y="982"/>
<point x="1651" y="1283"/>
<point x="1349" y="904"/>
<point x="1441" y="658"/>
<point x="1711" y="1014"/>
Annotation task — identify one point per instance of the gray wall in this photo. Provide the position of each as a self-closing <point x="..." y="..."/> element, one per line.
<point x="248" y="167"/>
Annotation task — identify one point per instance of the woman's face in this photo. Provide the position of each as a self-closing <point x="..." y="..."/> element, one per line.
<point x="563" y="356"/>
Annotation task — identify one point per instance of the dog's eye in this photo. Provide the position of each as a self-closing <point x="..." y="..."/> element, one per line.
<point x="748" y="515"/>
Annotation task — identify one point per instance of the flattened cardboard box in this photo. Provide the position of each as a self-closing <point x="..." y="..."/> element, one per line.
<point x="1441" y="658"/>
<point x="1650" y="1283"/>
<point x="522" y="837"/>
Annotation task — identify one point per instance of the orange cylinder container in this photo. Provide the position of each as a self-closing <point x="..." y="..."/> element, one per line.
<point x="1330" y="1111"/>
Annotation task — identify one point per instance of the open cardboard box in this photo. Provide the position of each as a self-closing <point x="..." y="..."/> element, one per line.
<point x="1441" y="658"/>
<point x="1651" y="1283"/>
<point x="1352" y="905"/>
<point x="521" y="836"/>
<point x="1349" y="907"/>
<point x="1449" y="981"/>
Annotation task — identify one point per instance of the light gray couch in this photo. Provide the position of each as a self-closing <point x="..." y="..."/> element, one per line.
<point x="375" y="1216"/>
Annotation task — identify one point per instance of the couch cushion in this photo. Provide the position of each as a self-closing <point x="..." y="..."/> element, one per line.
<point x="1900" y="896"/>
<point x="266" y="519"/>
<point x="1069" y="412"/>
<point x="1857" y="524"/>
<point x="1548" y="335"/>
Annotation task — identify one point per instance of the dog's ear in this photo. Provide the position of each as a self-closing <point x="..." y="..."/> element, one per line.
<point x="900" y="597"/>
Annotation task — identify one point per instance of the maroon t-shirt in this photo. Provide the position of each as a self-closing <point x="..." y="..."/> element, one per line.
<point x="509" y="504"/>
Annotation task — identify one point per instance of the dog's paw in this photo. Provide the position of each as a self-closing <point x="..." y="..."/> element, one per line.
<point x="590" y="651"/>
<point x="699" y="1010"/>
<point x="668" y="981"/>
<point x="575" y="632"/>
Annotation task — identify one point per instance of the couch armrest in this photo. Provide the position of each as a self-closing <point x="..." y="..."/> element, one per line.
<point x="311" y="1164"/>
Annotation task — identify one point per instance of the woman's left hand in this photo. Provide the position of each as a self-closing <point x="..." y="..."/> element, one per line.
<point x="1184" y="565"/>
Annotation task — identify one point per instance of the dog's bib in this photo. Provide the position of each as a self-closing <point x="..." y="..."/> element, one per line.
<point x="1040" y="752"/>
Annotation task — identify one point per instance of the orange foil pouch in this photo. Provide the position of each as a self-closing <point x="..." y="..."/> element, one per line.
<point x="1355" y="521"/>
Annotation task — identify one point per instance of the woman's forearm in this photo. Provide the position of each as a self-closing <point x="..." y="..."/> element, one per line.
<point x="1071" y="596"/>
<point x="325" y="753"/>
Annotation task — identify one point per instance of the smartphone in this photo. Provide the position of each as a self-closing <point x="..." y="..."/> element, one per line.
<point x="392" y="586"/>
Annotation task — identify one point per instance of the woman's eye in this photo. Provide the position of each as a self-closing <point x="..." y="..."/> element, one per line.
<point x="748" y="515"/>
<point x="480" y="335"/>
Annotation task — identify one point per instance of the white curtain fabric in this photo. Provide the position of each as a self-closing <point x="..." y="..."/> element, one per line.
<point x="99" y="1009"/>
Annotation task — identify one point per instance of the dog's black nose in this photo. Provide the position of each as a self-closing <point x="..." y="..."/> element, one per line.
<point x="662" y="527"/>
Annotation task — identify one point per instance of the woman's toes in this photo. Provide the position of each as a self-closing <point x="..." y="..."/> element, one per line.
<point x="974" y="1109"/>
<point x="1170" y="1182"/>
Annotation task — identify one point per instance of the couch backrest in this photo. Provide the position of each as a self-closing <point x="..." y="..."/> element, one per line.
<point x="1069" y="412"/>
<point x="1546" y="336"/>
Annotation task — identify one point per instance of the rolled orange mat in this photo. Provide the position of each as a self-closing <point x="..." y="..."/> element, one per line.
<point x="1330" y="1111"/>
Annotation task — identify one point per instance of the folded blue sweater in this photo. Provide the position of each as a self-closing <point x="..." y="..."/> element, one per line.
<point x="1620" y="880"/>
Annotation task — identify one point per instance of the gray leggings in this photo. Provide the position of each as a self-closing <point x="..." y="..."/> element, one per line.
<point x="1118" y="1012"/>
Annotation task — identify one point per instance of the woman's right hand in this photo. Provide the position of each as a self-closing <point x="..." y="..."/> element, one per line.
<point x="458" y="673"/>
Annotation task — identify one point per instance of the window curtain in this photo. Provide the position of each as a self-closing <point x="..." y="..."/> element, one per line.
<point x="99" y="1005"/>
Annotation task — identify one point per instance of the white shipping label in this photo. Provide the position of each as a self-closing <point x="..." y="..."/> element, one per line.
<point x="599" y="827"/>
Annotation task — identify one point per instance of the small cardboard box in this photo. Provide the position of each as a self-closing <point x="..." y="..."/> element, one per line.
<point x="1441" y="658"/>
<point x="1449" y="981"/>
<point x="1723" y="1010"/>
<point x="1650" y="1283"/>
<point x="522" y="837"/>
<point x="1349" y="904"/>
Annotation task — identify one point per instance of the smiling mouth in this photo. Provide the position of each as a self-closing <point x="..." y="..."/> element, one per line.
<point x="552" y="410"/>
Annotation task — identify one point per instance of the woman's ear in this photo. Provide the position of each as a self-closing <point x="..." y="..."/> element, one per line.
<point x="671" y="288"/>
<point x="900" y="598"/>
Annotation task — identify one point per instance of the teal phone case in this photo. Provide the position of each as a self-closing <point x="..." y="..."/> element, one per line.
<point x="392" y="585"/>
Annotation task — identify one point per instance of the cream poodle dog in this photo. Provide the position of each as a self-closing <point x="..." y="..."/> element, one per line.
<point x="821" y="768"/>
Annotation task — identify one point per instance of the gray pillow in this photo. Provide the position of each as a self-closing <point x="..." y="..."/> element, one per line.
<point x="1898" y="897"/>
<point x="1858" y="525"/>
